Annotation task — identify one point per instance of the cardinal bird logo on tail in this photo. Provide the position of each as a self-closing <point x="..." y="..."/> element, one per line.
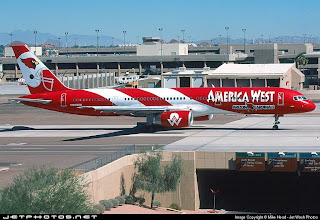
<point x="30" y="62"/>
<point x="38" y="77"/>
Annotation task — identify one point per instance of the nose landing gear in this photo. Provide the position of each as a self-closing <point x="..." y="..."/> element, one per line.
<point x="276" y="122"/>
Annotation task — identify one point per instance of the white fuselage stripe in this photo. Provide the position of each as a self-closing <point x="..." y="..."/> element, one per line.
<point x="171" y="96"/>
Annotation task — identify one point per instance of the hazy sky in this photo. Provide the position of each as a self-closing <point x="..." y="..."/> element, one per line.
<point x="201" y="19"/>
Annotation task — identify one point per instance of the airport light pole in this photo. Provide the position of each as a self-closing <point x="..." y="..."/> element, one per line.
<point x="11" y="38"/>
<point x="227" y="29"/>
<point x="97" y="30"/>
<point x="35" y="41"/>
<point x="310" y="37"/>
<point x="66" y="33"/>
<point x="244" y="40"/>
<point x="161" y="29"/>
<point x="59" y="38"/>
<point x="183" y="34"/>
<point x="124" y="42"/>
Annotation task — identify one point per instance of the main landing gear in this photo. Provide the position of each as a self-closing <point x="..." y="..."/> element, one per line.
<point x="276" y="122"/>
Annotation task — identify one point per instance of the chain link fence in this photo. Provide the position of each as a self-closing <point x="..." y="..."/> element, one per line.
<point x="101" y="161"/>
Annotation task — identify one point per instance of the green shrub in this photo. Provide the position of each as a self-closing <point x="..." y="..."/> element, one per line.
<point x="157" y="203"/>
<point x="46" y="190"/>
<point x="107" y="204"/>
<point x="175" y="206"/>
<point x="141" y="200"/>
<point x="121" y="199"/>
<point x="99" y="208"/>
<point x="129" y="199"/>
<point x="114" y="202"/>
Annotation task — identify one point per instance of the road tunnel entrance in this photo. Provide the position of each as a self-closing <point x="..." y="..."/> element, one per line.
<point x="271" y="192"/>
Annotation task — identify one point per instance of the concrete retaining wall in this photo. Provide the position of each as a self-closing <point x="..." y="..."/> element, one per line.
<point x="105" y="181"/>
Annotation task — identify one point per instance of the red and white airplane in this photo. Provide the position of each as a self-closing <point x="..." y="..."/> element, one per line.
<point x="175" y="107"/>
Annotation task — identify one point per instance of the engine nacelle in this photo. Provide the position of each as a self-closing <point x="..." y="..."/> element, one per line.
<point x="178" y="119"/>
<point x="204" y="118"/>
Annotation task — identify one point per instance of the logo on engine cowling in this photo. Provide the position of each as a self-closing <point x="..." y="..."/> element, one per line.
<point x="174" y="119"/>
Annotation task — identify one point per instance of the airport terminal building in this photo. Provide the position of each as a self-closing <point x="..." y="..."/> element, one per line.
<point x="267" y="64"/>
<point x="237" y="75"/>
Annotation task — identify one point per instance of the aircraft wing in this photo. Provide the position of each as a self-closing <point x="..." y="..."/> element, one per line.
<point x="134" y="110"/>
<point x="42" y="101"/>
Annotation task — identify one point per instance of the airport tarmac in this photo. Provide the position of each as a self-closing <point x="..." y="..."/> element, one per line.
<point x="297" y="133"/>
<point x="32" y="137"/>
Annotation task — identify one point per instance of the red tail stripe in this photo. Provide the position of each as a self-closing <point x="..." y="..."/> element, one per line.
<point x="20" y="49"/>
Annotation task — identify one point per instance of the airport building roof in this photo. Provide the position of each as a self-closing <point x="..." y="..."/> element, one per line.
<point x="253" y="69"/>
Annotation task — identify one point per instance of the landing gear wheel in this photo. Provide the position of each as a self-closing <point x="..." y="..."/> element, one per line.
<point x="276" y="122"/>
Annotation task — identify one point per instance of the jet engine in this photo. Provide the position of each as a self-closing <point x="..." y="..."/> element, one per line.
<point x="204" y="118"/>
<point x="178" y="119"/>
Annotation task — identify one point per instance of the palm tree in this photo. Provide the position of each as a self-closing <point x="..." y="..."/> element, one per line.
<point x="301" y="60"/>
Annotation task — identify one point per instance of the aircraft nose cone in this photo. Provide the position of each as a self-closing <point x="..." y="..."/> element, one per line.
<point x="311" y="106"/>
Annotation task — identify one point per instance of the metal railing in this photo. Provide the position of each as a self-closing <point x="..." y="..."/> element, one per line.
<point x="101" y="161"/>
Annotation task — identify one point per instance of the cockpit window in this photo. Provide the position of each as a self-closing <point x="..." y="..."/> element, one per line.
<point x="299" y="98"/>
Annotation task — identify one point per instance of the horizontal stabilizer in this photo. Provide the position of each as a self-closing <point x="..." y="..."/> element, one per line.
<point x="42" y="101"/>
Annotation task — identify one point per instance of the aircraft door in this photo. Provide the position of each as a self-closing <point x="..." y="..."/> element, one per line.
<point x="63" y="100"/>
<point x="114" y="100"/>
<point x="280" y="98"/>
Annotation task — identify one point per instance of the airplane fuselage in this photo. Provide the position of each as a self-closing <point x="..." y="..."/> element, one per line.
<point x="201" y="101"/>
<point x="168" y="107"/>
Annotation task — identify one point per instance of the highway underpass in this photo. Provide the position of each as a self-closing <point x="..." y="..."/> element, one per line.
<point x="265" y="192"/>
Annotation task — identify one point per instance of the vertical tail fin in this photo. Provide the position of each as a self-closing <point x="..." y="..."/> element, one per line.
<point x="37" y="76"/>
